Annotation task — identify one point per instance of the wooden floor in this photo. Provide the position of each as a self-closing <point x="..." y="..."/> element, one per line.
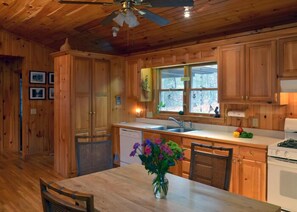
<point x="19" y="181"/>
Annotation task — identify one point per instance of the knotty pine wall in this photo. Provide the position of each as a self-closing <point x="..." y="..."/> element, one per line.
<point x="37" y="131"/>
<point x="270" y="117"/>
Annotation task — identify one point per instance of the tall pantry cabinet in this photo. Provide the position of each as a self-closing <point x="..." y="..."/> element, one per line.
<point x="82" y="102"/>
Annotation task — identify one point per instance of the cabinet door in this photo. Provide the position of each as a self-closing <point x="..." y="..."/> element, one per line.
<point x="260" y="71"/>
<point x="252" y="181"/>
<point x="133" y="79"/>
<point x="82" y="95"/>
<point x="231" y="73"/>
<point x="288" y="55"/>
<point x="100" y="97"/>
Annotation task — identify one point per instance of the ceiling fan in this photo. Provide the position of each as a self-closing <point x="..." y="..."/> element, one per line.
<point x="128" y="7"/>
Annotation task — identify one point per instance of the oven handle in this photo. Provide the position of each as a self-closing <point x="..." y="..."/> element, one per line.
<point x="282" y="162"/>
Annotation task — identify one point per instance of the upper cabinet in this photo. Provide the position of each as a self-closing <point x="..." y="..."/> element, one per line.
<point x="133" y="79"/>
<point x="247" y="72"/>
<point x="261" y="71"/>
<point x="288" y="57"/>
<point x="232" y="73"/>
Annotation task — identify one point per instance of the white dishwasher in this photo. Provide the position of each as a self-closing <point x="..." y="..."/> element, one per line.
<point x="127" y="139"/>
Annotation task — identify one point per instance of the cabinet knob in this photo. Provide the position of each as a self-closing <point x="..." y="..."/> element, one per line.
<point x="246" y="97"/>
<point x="242" y="97"/>
<point x="90" y="113"/>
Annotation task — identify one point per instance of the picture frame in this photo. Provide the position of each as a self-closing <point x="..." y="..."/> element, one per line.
<point x="37" y="77"/>
<point x="51" y="95"/>
<point x="51" y="79"/>
<point x="36" y="93"/>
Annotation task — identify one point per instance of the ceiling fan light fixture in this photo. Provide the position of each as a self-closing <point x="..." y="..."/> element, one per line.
<point x="131" y="19"/>
<point x="119" y="19"/>
<point x="187" y="13"/>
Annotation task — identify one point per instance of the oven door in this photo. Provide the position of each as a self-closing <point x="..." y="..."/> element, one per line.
<point x="282" y="183"/>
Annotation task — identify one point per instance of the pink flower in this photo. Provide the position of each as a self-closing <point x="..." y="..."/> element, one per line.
<point x="158" y="141"/>
<point x="147" y="150"/>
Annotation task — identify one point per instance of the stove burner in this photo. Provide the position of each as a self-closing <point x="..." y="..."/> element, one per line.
<point x="290" y="143"/>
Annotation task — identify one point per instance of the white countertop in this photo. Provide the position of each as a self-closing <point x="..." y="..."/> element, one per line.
<point x="208" y="134"/>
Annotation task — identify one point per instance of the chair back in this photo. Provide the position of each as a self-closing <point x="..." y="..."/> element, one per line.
<point x="211" y="165"/>
<point x="93" y="153"/>
<point x="59" y="199"/>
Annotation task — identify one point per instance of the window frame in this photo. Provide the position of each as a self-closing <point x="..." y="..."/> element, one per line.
<point x="186" y="90"/>
<point x="160" y="85"/>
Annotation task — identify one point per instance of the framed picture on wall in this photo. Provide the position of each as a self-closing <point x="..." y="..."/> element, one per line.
<point x="36" y="93"/>
<point x="37" y="77"/>
<point x="51" y="93"/>
<point x="51" y="78"/>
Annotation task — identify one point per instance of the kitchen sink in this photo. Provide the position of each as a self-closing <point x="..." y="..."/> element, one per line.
<point x="179" y="130"/>
<point x="172" y="129"/>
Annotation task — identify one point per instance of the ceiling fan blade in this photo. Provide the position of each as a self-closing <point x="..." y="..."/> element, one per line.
<point x="172" y="3"/>
<point x="84" y="2"/>
<point x="108" y="19"/>
<point x="153" y="17"/>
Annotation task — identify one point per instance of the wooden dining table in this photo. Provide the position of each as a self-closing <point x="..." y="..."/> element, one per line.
<point x="129" y="188"/>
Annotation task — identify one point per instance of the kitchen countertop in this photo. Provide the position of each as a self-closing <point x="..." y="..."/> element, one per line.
<point x="218" y="136"/>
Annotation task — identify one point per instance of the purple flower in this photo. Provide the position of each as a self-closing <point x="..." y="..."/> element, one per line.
<point x="132" y="154"/>
<point x="161" y="157"/>
<point x="136" y="145"/>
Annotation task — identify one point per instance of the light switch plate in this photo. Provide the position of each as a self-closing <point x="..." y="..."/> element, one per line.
<point x="255" y="122"/>
<point x="33" y="111"/>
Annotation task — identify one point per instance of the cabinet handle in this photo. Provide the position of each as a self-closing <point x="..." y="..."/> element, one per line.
<point x="94" y="112"/>
<point x="242" y="97"/>
<point x="246" y="97"/>
<point x="90" y="113"/>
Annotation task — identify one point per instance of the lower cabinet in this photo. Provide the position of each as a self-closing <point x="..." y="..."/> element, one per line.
<point x="248" y="176"/>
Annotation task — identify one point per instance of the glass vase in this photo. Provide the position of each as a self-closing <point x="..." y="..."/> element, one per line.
<point x="160" y="186"/>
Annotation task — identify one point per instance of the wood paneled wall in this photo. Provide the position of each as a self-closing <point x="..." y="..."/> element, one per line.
<point x="269" y="117"/>
<point x="37" y="131"/>
<point x="10" y="69"/>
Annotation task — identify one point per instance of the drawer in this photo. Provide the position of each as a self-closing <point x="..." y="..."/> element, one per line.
<point x="234" y="147"/>
<point x="253" y="154"/>
<point x="186" y="167"/>
<point x="187" y="143"/>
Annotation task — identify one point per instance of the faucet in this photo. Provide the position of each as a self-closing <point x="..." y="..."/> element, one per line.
<point x="180" y="123"/>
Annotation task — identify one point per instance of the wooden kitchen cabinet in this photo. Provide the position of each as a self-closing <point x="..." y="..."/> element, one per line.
<point x="253" y="173"/>
<point x="287" y="57"/>
<point x="133" y="85"/>
<point x="81" y="105"/>
<point x="247" y="73"/>
<point x="261" y="71"/>
<point x="231" y="73"/>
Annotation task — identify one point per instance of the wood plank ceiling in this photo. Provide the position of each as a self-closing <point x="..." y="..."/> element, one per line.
<point x="49" y="22"/>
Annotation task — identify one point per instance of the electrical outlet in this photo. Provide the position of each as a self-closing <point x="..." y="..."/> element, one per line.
<point x="255" y="122"/>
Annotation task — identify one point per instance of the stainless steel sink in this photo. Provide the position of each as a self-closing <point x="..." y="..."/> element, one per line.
<point x="172" y="129"/>
<point x="180" y="130"/>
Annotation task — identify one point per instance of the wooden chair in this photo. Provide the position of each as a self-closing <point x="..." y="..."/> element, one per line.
<point x="93" y="153"/>
<point x="59" y="199"/>
<point x="211" y="165"/>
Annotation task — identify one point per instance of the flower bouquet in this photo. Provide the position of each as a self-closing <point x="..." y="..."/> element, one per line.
<point x="157" y="156"/>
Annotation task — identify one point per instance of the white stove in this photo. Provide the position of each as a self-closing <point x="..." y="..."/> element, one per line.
<point x="286" y="149"/>
<point x="282" y="169"/>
